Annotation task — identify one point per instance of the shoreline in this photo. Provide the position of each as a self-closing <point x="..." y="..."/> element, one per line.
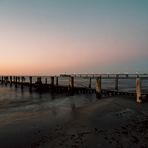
<point x="112" y="122"/>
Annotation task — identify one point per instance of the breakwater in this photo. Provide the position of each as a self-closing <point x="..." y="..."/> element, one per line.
<point x="74" y="84"/>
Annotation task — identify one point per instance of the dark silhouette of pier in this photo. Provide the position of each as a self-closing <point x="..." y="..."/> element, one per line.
<point x="41" y="84"/>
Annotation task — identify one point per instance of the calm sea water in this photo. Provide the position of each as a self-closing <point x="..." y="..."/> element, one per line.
<point x="15" y="100"/>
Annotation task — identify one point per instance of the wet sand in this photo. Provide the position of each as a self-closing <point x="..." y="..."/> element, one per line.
<point x="111" y="122"/>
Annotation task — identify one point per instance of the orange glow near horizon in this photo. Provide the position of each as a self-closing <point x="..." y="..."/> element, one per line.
<point x="45" y="55"/>
<point x="46" y="38"/>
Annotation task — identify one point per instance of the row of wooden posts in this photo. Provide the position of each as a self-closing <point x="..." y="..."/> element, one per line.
<point x="21" y="80"/>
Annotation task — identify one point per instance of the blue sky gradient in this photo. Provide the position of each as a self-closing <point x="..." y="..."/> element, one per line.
<point x="56" y="36"/>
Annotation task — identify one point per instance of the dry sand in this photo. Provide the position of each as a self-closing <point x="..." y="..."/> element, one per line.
<point x="107" y="123"/>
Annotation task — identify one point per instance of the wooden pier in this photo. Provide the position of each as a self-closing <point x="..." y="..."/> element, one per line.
<point x="69" y="87"/>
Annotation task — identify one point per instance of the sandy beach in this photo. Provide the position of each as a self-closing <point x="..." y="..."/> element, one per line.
<point x="110" y="122"/>
<point x="73" y="73"/>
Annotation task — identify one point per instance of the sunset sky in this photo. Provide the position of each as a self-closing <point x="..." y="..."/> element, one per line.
<point x="46" y="37"/>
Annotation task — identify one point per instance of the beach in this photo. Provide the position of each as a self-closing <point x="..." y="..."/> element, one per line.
<point x="73" y="74"/>
<point x="110" y="122"/>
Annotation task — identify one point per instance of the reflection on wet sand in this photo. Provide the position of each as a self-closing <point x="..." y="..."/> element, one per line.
<point x="30" y="119"/>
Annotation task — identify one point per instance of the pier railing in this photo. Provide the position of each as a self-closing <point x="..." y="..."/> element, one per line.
<point x="103" y="85"/>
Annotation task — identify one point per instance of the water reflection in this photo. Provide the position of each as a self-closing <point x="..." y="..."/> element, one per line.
<point x="23" y="99"/>
<point x="18" y="104"/>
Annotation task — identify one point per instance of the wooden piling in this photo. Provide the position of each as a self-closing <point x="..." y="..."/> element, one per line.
<point x="57" y="82"/>
<point x="98" y="88"/>
<point x="45" y="80"/>
<point x="2" y="79"/>
<point x="39" y="83"/>
<point x="116" y="82"/>
<point x="52" y="82"/>
<point x="71" y="89"/>
<point x="89" y="82"/>
<point x="22" y="82"/>
<point x="18" y="78"/>
<point x="6" y="80"/>
<point x="10" y="80"/>
<point x="71" y="82"/>
<point x="15" y="82"/>
<point x="39" y="80"/>
<point x="71" y="85"/>
<point x="30" y="82"/>
<point x="138" y="90"/>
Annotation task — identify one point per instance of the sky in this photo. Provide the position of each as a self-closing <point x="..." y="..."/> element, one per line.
<point x="50" y="37"/>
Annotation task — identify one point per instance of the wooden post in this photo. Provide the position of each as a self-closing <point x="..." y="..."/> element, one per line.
<point x="6" y="80"/>
<point x="18" y="79"/>
<point x="22" y="82"/>
<point x="10" y="80"/>
<point x="39" y="79"/>
<point x="2" y="79"/>
<point x="116" y="82"/>
<point x="14" y="79"/>
<point x="52" y="82"/>
<point x="89" y="82"/>
<point x="15" y="82"/>
<point x="138" y="90"/>
<point x="45" y="80"/>
<point x="71" y="82"/>
<point x="30" y="82"/>
<point x="98" y="88"/>
<point x="39" y="82"/>
<point x="57" y="82"/>
<point x="71" y="85"/>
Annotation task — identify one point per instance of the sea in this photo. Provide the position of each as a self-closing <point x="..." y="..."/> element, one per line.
<point x="15" y="100"/>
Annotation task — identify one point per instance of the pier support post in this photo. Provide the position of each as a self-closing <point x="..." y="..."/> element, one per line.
<point x="57" y="82"/>
<point x="98" y="88"/>
<point x="39" y="80"/>
<point x="2" y="79"/>
<point x="6" y="80"/>
<point x="10" y="80"/>
<point x="52" y="82"/>
<point x="39" y="83"/>
<point x="18" y="79"/>
<point x="30" y="83"/>
<point x="116" y="82"/>
<point x="15" y="82"/>
<point x="71" y="85"/>
<point x="45" y="80"/>
<point x="22" y="82"/>
<point x="89" y="82"/>
<point x="138" y="90"/>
